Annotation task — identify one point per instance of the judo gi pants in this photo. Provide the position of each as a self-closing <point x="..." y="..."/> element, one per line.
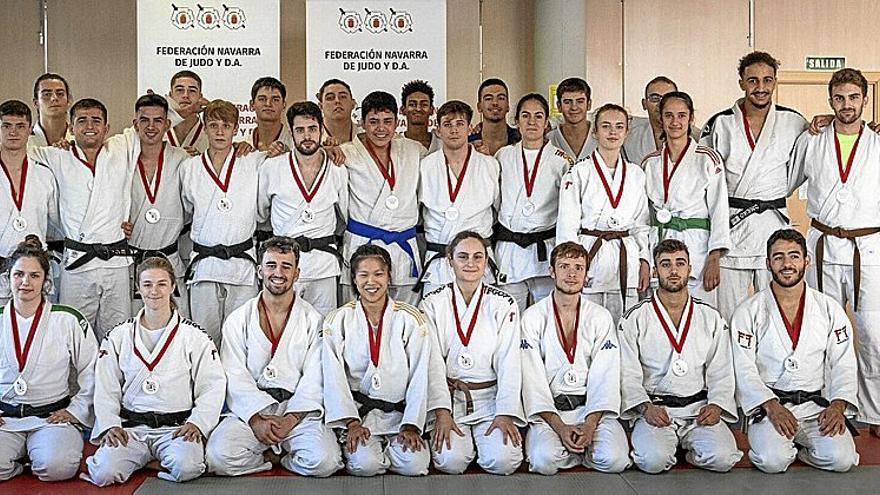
<point x="180" y="460"/>
<point x="319" y="292"/>
<point x="608" y="452"/>
<point x="733" y="289"/>
<point x="537" y="287"/>
<point x="492" y="454"/>
<point x="382" y="453"/>
<point x="708" y="447"/>
<point x="211" y="302"/>
<point x="773" y="453"/>
<point x="102" y="295"/>
<point x="54" y="452"/>
<point x="310" y="450"/>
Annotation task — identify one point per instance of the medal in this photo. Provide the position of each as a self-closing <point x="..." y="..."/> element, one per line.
<point x="570" y="348"/>
<point x="451" y="214"/>
<point x="192" y="142"/>
<point x="746" y="126"/>
<point x="150" y="386"/>
<point x="391" y="202"/>
<point x="19" y="224"/>
<point x="274" y="340"/>
<point x="375" y="336"/>
<point x="528" y="208"/>
<point x="572" y="377"/>
<point x="613" y="199"/>
<point x="375" y="382"/>
<point x="667" y="174"/>
<point x="270" y="373"/>
<point x="307" y="215"/>
<point x="530" y="179"/>
<point x="21" y="354"/>
<point x="465" y="360"/>
<point x="224" y="204"/>
<point x="791" y="364"/>
<point x="679" y="367"/>
<point x="19" y="386"/>
<point x="793" y="327"/>
<point x="844" y="196"/>
<point x="88" y="165"/>
<point x="663" y="216"/>
<point x="152" y="216"/>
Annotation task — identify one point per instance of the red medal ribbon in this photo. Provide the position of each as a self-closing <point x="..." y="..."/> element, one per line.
<point x="530" y="181"/>
<point x="272" y="339"/>
<point x="667" y="176"/>
<point x="224" y="186"/>
<point x="793" y="328"/>
<point x="17" y="199"/>
<point x="678" y="345"/>
<point x="570" y="349"/>
<point x="155" y="362"/>
<point x="844" y="172"/>
<point x="746" y="126"/>
<point x="453" y="193"/>
<point x="466" y="337"/>
<point x="375" y="340"/>
<point x="173" y="139"/>
<point x="21" y="355"/>
<point x="151" y="194"/>
<point x="614" y="200"/>
<point x="88" y="165"/>
<point x="308" y="195"/>
<point x="388" y="173"/>
<point x="257" y="137"/>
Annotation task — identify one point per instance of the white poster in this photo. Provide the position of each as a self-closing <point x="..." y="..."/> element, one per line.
<point x="228" y="43"/>
<point x="376" y="45"/>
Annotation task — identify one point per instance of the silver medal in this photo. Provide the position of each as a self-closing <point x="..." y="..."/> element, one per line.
<point x="844" y="196"/>
<point x="270" y="373"/>
<point x="307" y="216"/>
<point x="572" y="377"/>
<point x="664" y="216"/>
<point x="152" y="215"/>
<point x="376" y="382"/>
<point x="791" y="364"/>
<point x="465" y="360"/>
<point x="19" y="224"/>
<point x="679" y="367"/>
<point x="150" y="386"/>
<point x="451" y="214"/>
<point x="528" y="208"/>
<point x="20" y="386"/>
<point x="224" y="204"/>
<point x="391" y="202"/>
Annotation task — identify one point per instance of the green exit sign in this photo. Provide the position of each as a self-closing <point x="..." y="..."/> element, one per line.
<point x="825" y="63"/>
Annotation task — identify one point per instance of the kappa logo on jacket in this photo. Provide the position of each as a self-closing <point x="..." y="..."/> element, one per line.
<point x="608" y="345"/>
<point x="524" y="345"/>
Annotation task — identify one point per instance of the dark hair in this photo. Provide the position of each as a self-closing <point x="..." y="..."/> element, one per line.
<point x="328" y="82"/>
<point x="787" y="235"/>
<point x="848" y="76"/>
<point x="15" y="108"/>
<point x="670" y="246"/>
<point x="186" y="73"/>
<point x="279" y="244"/>
<point x="610" y="107"/>
<point x="378" y="101"/>
<point x="366" y="251"/>
<point x="50" y="76"/>
<point x="30" y="247"/>
<point x="568" y="249"/>
<point x="305" y="109"/>
<point x="659" y="79"/>
<point x="151" y="100"/>
<point x="677" y="95"/>
<point x="492" y="81"/>
<point x="157" y="263"/>
<point x="533" y="97"/>
<point x="573" y="85"/>
<point x="268" y="82"/>
<point x="87" y="103"/>
<point x="462" y="236"/>
<point x="417" y="86"/>
<point x="455" y="107"/>
<point x="756" y="58"/>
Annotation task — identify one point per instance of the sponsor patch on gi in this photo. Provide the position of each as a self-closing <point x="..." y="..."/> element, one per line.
<point x="744" y="340"/>
<point x="841" y="335"/>
<point x="524" y="344"/>
<point x="608" y="345"/>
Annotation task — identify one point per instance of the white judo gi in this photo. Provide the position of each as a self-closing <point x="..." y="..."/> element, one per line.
<point x="694" y="195"/>
<point x="400" y="378"/>
<point x="525" y="271"/>
<point x="38" y="136"/>
<point x="852" y="207"/>
<point x="488" y="369"/>
<point x="310" y="216"/>
<point x="186" y="378"/>
<point x="384" y="215"/>
<point x="294" y="370"/>
<point x="650" y="367"/>
<point x="197" y="137"/>
<point x="63" y="344"/>
<point x="284" y="136"/>
<point x="639" y="142"/>
<point x="823" y="361"/>
<point x="592" y="378"/>
<point x="217" y="286"/>
<point x="590" y="144"/>
<point x="476" y="195"/>
<point x="611" y="210"/>
<point x="756" y="171"/>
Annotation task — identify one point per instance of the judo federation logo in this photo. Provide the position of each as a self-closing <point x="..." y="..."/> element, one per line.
<point x="233" y="17"/>
<point x="401" y="21"/>
<point x="841" y="335"/>
<point x="207" y="18"/>
<point x="376" y="22"/>
<point x="349" y="21"/>
<point x="182" y="17"/>
<point x="744" y="340"/>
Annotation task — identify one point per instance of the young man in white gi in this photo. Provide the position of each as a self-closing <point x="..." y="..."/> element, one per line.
<point x="28" y="198"/>
<point x="52" y="101"/>
<point x="417" y="107"/>
<point x="493" y="132"/>
<point x="375" y="365"/>
<point x="677" y="383"/>
<point x="754" y="138"/>
<point x="603" y="206"/>
<point x="159" y="389"/>
<point x="271" y="352"/>
<point x="531" y="174"/>
<point x="573" y="134"/>
<point x="187" y="103"/>
<point x="337" y="104"/>
<point x="458" y="189"/>
<point x="268" y="96"/>
<point x="795" y="367"/>
<point x="688" y="196"/>
<point x="383" y="179"/>
<point x="571" y="375"/>
<point x="842" y="165"/>
<point x="303" y="193"/>
<point x="48" y="346"/>
<point x="475" y="377"/>
<point x="219" y="192"/>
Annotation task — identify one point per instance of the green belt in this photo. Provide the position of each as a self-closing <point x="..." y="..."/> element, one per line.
<point x="681" y="224"/>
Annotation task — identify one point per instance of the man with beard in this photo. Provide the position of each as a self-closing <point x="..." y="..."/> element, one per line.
<point x="842" y="164"/>
<point x="417" y="106"/>
<point x="795" y="367"/>
<point x="302" y="192"/>
<point x="272" y="356"/>
<point x="493" y="133"/>
<point x="267" y="99"/>
<point x="337" y="103"/>
<point x="754" y="138"/>
<point x="572" y="397"/>
<point x="677" y="384"/>
<point x="573" y="135"/>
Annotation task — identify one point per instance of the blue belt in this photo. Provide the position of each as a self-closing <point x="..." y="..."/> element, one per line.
<point x="388" y="237"/>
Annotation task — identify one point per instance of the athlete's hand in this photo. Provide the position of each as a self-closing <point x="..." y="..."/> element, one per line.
<point x="330" y="141"/>
<point x="831" y="420"/>
<point x="61" y="416"/>
<point x="569" y="435"/>
<point x="443" y="428"/>
<point x="508" y="430"/>
<point x="189" y="432"/>
<point x="819" y="122"/>
<point x="644" y="276"/>
<point x="242" y="148"/>
<point x="781" y="418"/>
<point x="115" y="437"/>
<point x="588" y="430"/>
<point x="127" y="228"/>
<point x="287" y="423"/>
<point x="336" y="155"/>
<point x="276" y="149"/>
<point x="191" y="150"/>
<point x="480" y="146"/>
<point x="410" y="439"/>
<point x="265" y="428"/>
<point x="712" y="271"/>
<point x="2" y="422"/>
<point x="63" y="144"/>
<point x="710" y="415"/>
<point x="874" y="126"/>
<point x="357" y="434"/>
<point x="656" y="416"/>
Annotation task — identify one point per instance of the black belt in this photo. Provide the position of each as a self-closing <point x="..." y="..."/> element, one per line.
<point x="153" y="419"/>
<point x="798" y="397"/>
<point x="279" y="394"/>
<point x="749" y="207"/>
<point x="440" y="252"/>
<point x="263" y="235"/>
<point x="566" y="402"/>
<point x="524" y="240"/>
<point x="25" y="410"/>
<point x="141" y="254"/>
<point x="368" y="404"/>
<point x="676" y="401"/>
<point x="326" y="244"/>
<point x="222" y="252"/>
<point x="101" y="251"/>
